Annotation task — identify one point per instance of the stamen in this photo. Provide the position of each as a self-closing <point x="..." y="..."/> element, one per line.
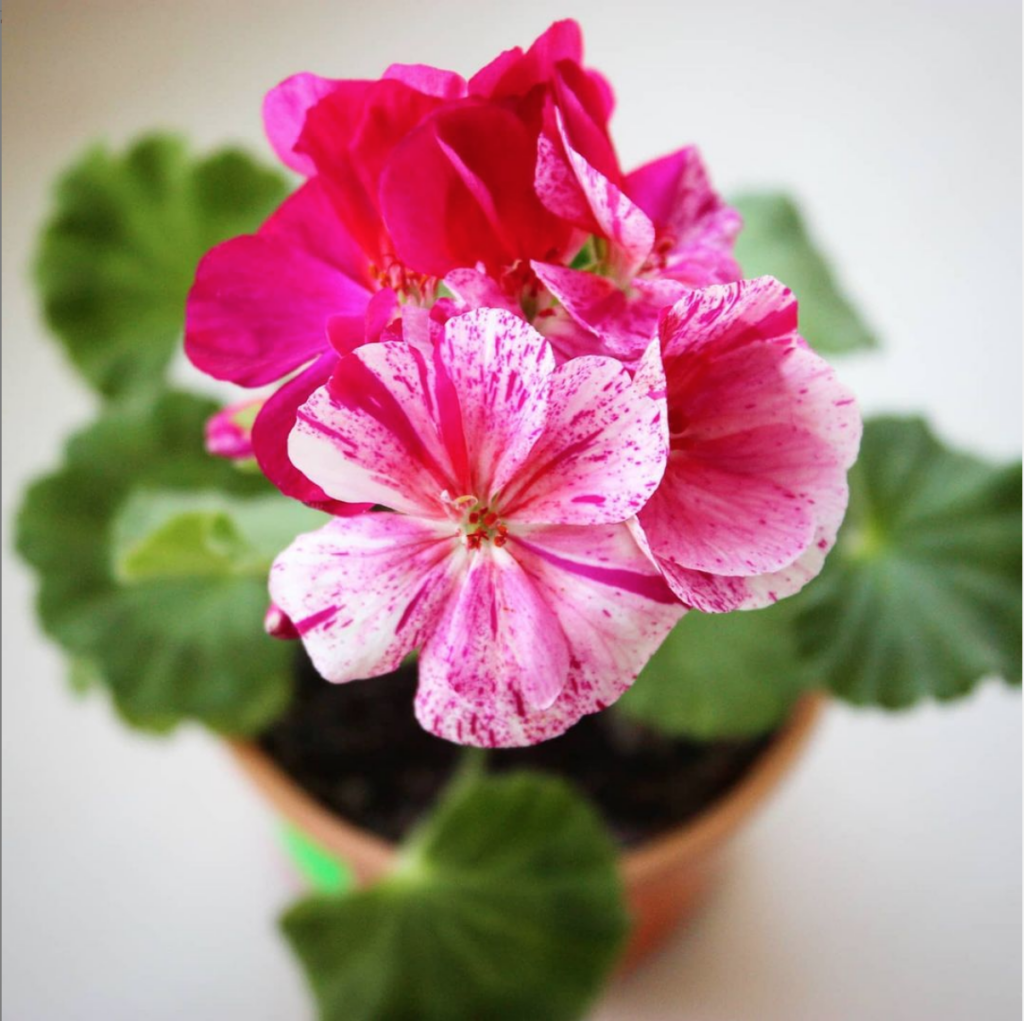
<point x="481" y="524"/>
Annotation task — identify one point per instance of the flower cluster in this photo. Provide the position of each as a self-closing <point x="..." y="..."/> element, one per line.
<point x="545" y="410"/>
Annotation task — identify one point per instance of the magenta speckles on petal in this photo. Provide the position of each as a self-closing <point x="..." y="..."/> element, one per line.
<point x="529" y="386"/>
<point x="761" y="437"/>
<point x="500" y="466"/>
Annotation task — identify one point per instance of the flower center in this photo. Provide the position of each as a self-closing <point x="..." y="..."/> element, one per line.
<point x="412" y="288"/>
<point x="480" y="523"/>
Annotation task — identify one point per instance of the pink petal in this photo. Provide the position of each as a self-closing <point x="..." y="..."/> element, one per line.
<point x="696" y="229"/>
<point x="515" y="73"/>
<point x="601" y="454"/>
<point x="762" y="434"/>
<point x="371" y="435"/>
<point x="350" y="135"/>
<point x="729" y="316"/>
<point x="363" y="592"/>
<point x="605" y="93"/>
<point x="491" y="386"/>
<point x="766" y="589"/>
<point x="277" y="624"/>
<point x="458" y="191"/>
<point x="581" y="104"/>
<point x="625" y="323"/>
<point x="611" y="607"/>
<point x="260" y="304"/>
<point x="557" y="187"/>
<point x="284" y="113"/>
<point x="675" y="192"/>
<point x="270" y="439"/>
<point x="229" y="432"/>
<point x="618" y="218"/>
<point x="307" y="220"/>
<point x="477" y="290"/>
<point x="431" y="81"/>
<point x="725" y="520"/>
<point x="496" y="638"/>
<point x="568" y="338"/>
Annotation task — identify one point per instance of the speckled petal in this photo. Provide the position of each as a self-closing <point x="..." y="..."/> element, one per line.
<point x="762" y="434"/>
<point x="697" y="227"/>
<point x="270" y="434"/>
<point x="602" y="452"/>
<point x="371" y="433"/>
<point x="620" y="220"/>
<point x="496" y="368"/>
<point x="363" y="592"/>
<point x="497" y="638"/>
<point x="624" y="323"/>
<point x="613" y="609"/>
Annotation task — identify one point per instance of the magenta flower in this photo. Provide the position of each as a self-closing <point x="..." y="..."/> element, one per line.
<point x="507" y="559"/>
<point x="265" y="305"/>
<point x="761" y="435"/>
<point x="399" y="155"/>
<point x="655" y="235"/>
<point x="493" y="186"/>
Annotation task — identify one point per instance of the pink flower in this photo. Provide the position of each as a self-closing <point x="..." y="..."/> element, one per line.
<point x="398" y="155"/>
<point x="654" y="236"/>
<point x="493" y="186"/>
<point x="267" y="304"/>
<point x="761" y="435"/>
<point x="507" y="558"/>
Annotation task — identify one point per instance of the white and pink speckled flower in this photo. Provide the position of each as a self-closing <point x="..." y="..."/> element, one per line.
<point x="507" y="556"/>
<point x="761" y="436"/>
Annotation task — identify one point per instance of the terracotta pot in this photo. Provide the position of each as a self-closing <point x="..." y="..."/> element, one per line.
<point x="665" y="878"/>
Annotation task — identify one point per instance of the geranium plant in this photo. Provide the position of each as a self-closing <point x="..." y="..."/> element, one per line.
<point x="527" y="428"/>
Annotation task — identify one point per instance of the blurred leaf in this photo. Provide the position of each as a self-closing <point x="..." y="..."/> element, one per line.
<point x="721" y="675"/>
<point x="172" y="644"/>
<point x="161" y="534"/>
<point x="197" y="543"/>
<point x="83" y="675"/>
<point x="117" y="256"/>
<point x="922" y="595"/>
<point x="774" y="241"/>
<point x="507" y="904"/>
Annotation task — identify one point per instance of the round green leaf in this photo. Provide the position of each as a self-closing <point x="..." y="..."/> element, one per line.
<point x="507" y="904"/>
<point x="922" y="595"/>
<point x="171" y="638"/>
<point x="720" y="675"/>
<point x="775" y="242"/>
<point x="117" y="256"/>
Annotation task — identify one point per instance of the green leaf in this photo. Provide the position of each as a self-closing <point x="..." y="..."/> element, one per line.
<point x="170" y="641"/>
<point x="119" y="251"/>
<point x="774" y="241"/>
<point x="507" y="904"/>
<point x="922" y="595"/>
<point x="161" y="534"/>
<point x="720" y="676"/>
<point x="200" y="543"/>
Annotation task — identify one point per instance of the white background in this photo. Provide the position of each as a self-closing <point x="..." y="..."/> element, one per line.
<point x="140" y="876"/>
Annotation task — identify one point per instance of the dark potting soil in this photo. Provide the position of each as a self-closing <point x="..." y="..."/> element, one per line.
<point x="358" y="749"/>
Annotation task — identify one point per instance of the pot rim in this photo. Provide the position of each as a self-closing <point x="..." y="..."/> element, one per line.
<point x="689" y="841"/>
